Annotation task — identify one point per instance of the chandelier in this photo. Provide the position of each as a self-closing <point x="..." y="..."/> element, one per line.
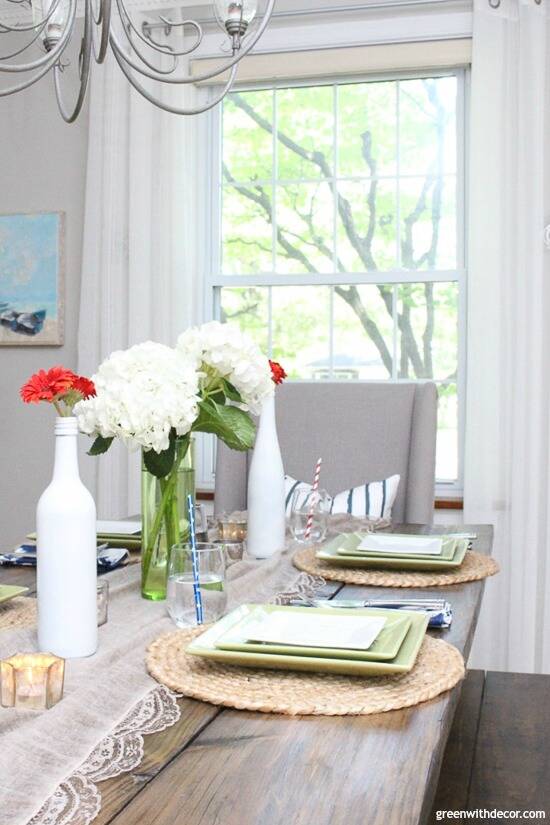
<point x="107" y="23"/>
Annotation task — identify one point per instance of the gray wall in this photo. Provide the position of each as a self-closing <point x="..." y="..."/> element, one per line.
<point x="42" y="168"/>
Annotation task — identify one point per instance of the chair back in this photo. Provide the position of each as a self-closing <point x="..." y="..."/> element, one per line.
<point x="364" y="431"/>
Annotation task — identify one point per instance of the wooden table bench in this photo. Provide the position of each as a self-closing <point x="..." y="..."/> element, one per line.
<point x="225" y="767"/>
<point x="498" y="753"/>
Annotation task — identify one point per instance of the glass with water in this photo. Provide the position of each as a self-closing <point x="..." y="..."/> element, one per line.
<point x="180" y="596"/>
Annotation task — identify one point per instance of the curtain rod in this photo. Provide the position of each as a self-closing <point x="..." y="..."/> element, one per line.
<point x="331" y="10"/>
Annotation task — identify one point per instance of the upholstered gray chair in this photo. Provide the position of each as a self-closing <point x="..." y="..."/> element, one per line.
<point x="363" y="431"/>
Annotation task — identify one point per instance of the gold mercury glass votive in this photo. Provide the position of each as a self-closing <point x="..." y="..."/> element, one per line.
<point x="231" y="530"/>
<point x="31" y="681"/>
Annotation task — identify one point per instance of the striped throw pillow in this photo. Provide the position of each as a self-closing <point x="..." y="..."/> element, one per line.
<point x="372" y="500"/>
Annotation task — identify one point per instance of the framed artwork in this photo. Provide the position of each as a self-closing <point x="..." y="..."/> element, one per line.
<point x="32" y="262"/>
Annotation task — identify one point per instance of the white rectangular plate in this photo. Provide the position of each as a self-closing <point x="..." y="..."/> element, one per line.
<point x="401" y="545"/>
<point x="118" y="528"/>
<point x="341" y="632"/>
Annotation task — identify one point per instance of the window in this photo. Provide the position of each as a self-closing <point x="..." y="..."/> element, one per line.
<point x="340" y="209"/>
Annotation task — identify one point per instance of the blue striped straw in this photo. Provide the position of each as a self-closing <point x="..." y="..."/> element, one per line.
<point x="195" y="559"/>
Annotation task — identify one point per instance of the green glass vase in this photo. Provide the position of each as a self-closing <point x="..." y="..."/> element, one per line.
<point x="164" y="519"/>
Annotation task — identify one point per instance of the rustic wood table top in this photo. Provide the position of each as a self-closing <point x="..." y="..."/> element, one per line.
<point x="218" y="766"/>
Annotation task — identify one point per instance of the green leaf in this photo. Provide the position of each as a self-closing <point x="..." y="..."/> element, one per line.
<point x="231" y="392"/>
<point x="160" y="464"/>
<point x="232" y="425"/>
<point x="100" y="445"/>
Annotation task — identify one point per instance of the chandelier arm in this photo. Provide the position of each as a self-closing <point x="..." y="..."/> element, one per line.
<point x="158" y="47"/>
<point x="103" y="20"/>
<point x="25" y="47"/>
<point x="51" y="57"/>
<point x="25" y="85"/>
<point x="97" y="20"/>
<point x="84" y="71"/>
<point x="6" y="29"/>
<point x="165" y="106"/>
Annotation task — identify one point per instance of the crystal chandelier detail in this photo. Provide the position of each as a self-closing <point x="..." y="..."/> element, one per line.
<point x="136" y="51"/>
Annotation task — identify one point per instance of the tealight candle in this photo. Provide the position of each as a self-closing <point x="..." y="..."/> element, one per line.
<point x="232" y="530"/>
<point x="32" y="681"/>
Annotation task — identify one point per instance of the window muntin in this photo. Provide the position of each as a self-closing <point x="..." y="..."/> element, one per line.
<point x="341" y="250"/>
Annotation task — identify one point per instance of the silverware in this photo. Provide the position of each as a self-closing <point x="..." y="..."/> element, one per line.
<point x="439" y="610"/>
<point x="419" y="604"/>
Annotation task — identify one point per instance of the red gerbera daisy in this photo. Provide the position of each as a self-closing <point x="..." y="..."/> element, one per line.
<point x="84" y="386"/>
<point x="278" y="374"/>
<point x="47" y="385"/>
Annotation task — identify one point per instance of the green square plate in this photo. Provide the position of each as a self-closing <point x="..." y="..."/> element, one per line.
<point x="347" y="543"/>
<point x="329" y="553"/>
<point x="205" y="646"/>
<point x="10" y="591"/>
<point x="385" y="646"/>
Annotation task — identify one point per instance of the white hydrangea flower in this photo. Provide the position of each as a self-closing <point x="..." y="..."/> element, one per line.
<point x="142" y="393"/>
<point x="234" y="355"/>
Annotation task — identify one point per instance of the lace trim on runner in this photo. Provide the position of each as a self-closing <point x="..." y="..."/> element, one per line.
<point x="77" y="800"/>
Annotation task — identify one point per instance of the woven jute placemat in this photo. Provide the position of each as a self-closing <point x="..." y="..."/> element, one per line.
<point x="18" y="612"/>
<point x="439" y="667"/>
<point x="474" y="567"/>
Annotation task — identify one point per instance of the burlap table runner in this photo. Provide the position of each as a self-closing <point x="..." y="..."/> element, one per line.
<point x="39" y="750"/>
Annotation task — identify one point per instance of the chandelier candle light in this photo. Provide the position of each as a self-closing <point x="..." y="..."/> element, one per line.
<point x="49" y="28"/>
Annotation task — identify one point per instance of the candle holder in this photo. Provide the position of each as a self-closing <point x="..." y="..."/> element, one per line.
<point x="102" y="602"/>
<point x="231" y="530"/>
<point x="31" y="681"/>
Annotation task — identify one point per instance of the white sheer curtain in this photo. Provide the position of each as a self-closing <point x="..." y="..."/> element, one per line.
<point x="141" y="253"/>
<point x="507" y="474"/>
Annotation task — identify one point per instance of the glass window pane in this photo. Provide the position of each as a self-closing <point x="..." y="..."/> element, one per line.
<point x="427" y="126"/>
<point x="247" y="140"/>
<point x="247" y="236"/>
<point x="428" y="330"/>
<point x="367" y="129"/>
<point x="305" y="127"/>
<point x="446" y="464"/>
<point x="248" y="308"/>
<point x="428" y="223"/>
<point x="301" y="318"/>
<point x="363" y="332"/>
<point x="305" y="219"/>
<point x="367" y="220"/>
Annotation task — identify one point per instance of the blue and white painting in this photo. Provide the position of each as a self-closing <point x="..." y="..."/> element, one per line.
<point x="31" y="282"/>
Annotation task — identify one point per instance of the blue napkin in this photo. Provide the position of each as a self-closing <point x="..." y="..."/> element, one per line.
<point x="108" y="558"/>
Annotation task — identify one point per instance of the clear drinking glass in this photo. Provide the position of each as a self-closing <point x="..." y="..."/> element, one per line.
<point x="233" y="550"/>
<point x="309" y="509"/>
<point x="180" y="592"/>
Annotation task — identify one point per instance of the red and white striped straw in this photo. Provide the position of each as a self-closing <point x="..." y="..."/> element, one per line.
<point x="314" y="489"/>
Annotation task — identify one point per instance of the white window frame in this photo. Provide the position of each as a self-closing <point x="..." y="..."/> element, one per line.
<point x="214" y="281"/>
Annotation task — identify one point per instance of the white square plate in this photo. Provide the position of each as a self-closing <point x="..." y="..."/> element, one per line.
<point x="401" y="545"/>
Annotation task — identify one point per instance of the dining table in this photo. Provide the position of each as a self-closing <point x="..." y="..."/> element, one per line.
<point x="220" y="766"/>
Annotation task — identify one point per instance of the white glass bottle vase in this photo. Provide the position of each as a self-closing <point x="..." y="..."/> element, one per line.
<point x="66" y="555"/>
<point x="266" y="489"/>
